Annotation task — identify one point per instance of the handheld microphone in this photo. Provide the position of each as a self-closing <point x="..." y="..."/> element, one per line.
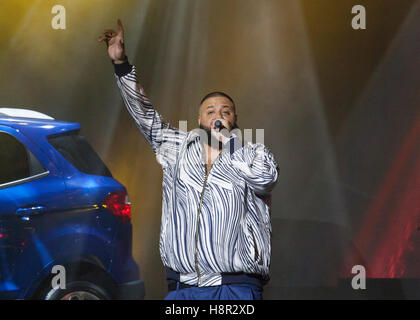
<point x="218" y="124"/>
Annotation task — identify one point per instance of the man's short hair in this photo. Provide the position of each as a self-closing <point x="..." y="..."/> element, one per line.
<point x="217" y="94"/>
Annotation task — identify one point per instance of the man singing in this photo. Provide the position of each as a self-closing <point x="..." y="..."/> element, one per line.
<point x="215" y="236"/>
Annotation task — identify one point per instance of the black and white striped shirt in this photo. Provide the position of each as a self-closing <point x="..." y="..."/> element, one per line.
<point x="211" y="224"/>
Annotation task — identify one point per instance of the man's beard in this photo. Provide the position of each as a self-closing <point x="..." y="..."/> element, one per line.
<point x="211" y="140"/>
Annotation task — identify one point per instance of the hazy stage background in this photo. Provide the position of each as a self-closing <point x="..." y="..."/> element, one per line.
<point x="340" y="110"/>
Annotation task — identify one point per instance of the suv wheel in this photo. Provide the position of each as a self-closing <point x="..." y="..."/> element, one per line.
<point x="77" y="290"/>
<point x="81" y="284"/>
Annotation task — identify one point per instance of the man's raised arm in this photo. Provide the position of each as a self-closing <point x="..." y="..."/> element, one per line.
<point x="147" y="119"/>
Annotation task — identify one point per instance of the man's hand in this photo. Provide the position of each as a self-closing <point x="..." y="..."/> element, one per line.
<point x="115" y="43"/>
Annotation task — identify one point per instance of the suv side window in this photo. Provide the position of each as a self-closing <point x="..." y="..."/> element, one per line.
<point x="79" y="153"/>
<point x="16" y="161"/>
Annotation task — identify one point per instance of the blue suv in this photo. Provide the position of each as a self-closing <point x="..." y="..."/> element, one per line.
<point x="62" y="214"/>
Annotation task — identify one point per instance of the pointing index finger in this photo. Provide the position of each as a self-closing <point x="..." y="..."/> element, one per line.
<point x="120" y="27"/>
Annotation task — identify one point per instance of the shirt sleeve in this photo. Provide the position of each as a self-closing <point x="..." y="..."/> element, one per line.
<point x="164" y="139"/>
<point x="255" y="164"/>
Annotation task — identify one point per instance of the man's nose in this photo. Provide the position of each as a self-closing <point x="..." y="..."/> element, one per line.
<point x="219" y="114"/>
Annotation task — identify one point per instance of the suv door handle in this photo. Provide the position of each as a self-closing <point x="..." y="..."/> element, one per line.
<point x="30" y="211"/>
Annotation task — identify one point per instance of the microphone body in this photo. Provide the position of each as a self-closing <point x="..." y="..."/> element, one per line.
<point x="218" y="124"/>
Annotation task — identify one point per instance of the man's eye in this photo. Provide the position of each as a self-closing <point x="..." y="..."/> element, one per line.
<point x="210" y="112"/>
<point x="226" y="112"/>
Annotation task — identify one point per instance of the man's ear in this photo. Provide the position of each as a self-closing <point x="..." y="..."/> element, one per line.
<point x="235" y="125"/>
